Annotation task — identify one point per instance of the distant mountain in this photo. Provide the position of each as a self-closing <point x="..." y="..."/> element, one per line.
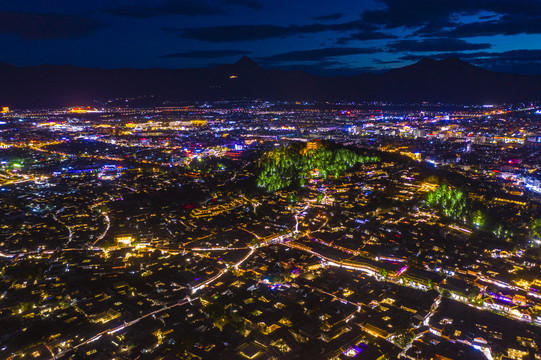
<point x="447" y="81"/>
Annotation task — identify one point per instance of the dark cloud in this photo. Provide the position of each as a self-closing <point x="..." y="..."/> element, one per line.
<point x="170" y="7"/>
<point x="415" y="57"/>
<point x="511" y="55"/>
<point x="507" y="25"/>
<point x="430" y="45"/>
<point x="251" y="4"/>
<point x="518" y="55"/>
<point x="37" y="26"/>
<point x="411" y="13"/>
<point x="385" y="62"/>
<point x="139" y="12"/>
<point x="513" y="24"/>
<point x="318" y="54"/>
<point x="365" y="36"/>
<point x="334" y="16"/>
<point x="205" y="54"/>
<point x="432" y="18"/>
<point x="232" y="33"/>
<point x="488" y="17"/>
<point x="435" y="29"/>
<point x="182" y="7"/>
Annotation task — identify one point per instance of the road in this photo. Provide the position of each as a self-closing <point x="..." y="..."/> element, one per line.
<point x="155" y="312"/>
<point x="207" y="282"/>
<point x="122" y="327"/>
<point x="70" y="232"/>
<point x="333" y="262"/>
<point x="108" y="225"/>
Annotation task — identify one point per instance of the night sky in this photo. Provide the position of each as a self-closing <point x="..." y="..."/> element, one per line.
<point x="338" y="37"/>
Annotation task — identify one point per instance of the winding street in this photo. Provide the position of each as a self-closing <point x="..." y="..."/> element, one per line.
<point x="181" y="302"/>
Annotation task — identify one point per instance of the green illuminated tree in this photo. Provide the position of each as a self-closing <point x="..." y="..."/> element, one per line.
<point x="478" y="219"/>
<point x="292" y="198"/>
<point x="293" y="165"/>
<point x="502" y="232"/>
<point x="450" y="201"/>
<point x="535" y="228"/>
<point x="383" y="273"/>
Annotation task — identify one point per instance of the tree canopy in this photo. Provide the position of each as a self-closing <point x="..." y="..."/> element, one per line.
<point x="536" y="228"/>
<point x="478" y="219"/>
<point x="450" y="201"/>
<point x="293" y="165"/>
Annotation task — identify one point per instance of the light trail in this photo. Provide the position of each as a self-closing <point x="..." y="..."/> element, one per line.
<point x="70" y="232"/>
<point x="108" y="225"/>
<point x="221" y="273"/>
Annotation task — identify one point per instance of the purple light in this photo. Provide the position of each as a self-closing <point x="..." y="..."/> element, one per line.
<point x="352" y="351"/>
<point x="503" y="298"/>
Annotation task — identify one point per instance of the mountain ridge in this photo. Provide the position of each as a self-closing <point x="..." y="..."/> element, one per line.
<point x="449" y="80"/>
